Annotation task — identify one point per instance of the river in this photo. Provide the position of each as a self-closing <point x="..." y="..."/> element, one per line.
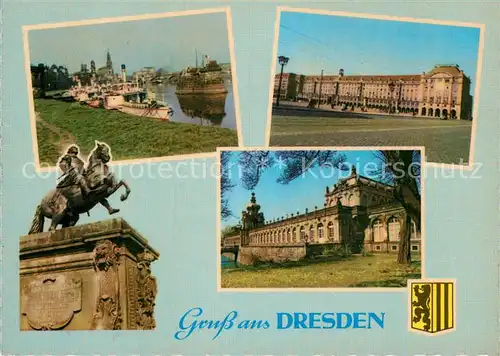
<point x="226" y="262"/>
<point x="199" y="109"/>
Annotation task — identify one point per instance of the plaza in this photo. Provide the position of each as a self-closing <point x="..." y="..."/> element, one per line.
<point x="445" y="141"/>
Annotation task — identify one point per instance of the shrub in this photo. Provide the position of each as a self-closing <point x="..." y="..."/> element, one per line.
<point x="329" y="250"/>
<point x="366" y="253"/>
<point x="346" y="251"/>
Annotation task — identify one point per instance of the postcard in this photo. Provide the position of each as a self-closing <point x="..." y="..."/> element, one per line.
<point x="249" y="178"/>
<point x="165" y="95"/>
<point x="356" y="229"/>
<point x="377" y="81"/>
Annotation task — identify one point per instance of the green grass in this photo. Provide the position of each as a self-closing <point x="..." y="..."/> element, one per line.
<point x="129" y="136"/>
<point x="379" y="270"/>
<point x="47" y="143"/>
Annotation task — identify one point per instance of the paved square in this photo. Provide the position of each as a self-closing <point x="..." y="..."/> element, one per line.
<point x="445" y="141"/>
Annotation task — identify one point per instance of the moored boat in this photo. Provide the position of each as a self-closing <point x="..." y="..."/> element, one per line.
<point x="153" y="110"/>
<point x="205" y="80"/>
<point x="138" y="104"/>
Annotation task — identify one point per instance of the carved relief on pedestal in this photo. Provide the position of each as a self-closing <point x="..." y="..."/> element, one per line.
<point x="49" y="302"/>
<point x="132" y="293"/>
<point x="107" y="309"/>
<point x="146" y="292"/>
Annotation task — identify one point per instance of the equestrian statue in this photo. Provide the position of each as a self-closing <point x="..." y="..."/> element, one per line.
<point x="79" y="189"/>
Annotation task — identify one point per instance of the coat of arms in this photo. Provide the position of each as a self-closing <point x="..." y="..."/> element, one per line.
<point x="432" y="305"/>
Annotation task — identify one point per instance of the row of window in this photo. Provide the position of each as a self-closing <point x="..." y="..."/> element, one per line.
<point x="349" y="201"/>
<point x="316" y="233"/>
<point x="454" y="88"/>
<point x="439" y="100"/>
<point x="393" y="226"/>
<point x="290" y="235"/>
<point x="355" y="88"/>
<point x="438" y="113"/>
<point x="395" y="248"/>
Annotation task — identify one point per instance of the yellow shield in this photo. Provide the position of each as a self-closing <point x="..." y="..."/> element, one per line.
<point x="432" y="305"/>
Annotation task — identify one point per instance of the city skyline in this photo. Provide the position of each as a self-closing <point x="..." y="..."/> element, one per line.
<point x="307" y="191"/>
<point x="172" y="46"/>
<point x="117" y="67"/>
<point x="363" y="46"/>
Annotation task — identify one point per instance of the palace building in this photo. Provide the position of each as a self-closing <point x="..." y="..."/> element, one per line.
<point x="443" y="92"/>
<point x="357" y="211"/>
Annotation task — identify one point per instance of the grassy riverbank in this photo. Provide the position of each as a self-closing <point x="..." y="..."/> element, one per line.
<point x="129" y="136"/>
<point x="379" y="270"/>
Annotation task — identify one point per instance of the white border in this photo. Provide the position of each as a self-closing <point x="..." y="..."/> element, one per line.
<point x="481" y="27"/>
<point x="340" y="289"/>
<point x="27" y="28"/>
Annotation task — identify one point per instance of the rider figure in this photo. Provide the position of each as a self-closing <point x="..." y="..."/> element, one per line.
<point x="74" y="169"/>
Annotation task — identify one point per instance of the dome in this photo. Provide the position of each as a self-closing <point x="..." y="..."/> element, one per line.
<point x="450" y="69"/>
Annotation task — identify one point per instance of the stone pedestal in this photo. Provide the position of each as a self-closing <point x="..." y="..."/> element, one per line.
<point x="88" y="277"/>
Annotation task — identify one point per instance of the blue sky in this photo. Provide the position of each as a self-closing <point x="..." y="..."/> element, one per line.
<point x="162" y="43"/>
<point x="366" y="46"/>
<point x="308" y="191"/>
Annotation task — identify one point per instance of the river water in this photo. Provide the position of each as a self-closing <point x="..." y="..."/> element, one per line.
<point x="206" y="110"/>
<point x="226" y="262"/>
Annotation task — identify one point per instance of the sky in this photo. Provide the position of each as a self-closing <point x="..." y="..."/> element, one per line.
<point x="367" y="46"/>
<point x="168" y="43"/>
<point x="277" y="200"/>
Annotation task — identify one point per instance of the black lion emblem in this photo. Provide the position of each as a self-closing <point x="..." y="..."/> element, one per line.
<point x="422" y="311"/>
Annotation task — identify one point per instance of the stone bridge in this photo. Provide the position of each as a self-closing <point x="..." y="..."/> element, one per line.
<point x="233" y="249"/>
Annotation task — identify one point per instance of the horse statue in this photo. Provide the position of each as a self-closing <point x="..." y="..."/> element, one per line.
<point x="64" y="204"/>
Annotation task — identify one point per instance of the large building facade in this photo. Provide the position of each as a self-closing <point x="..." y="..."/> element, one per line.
<point x="292" y="85"/>
<point x="357" y="211"/>
<point x="443" y="92"/>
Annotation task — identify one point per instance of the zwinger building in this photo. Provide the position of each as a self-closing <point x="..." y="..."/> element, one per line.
<point x="442" y="92"/>
<point x="357" y="210"/>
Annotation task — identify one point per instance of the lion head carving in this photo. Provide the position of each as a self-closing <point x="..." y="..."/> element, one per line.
<point x="105" y="255"/>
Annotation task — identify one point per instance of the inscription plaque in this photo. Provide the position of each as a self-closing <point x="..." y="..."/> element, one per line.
<point x="51" y="301"/>
<point x="87" y="278"/>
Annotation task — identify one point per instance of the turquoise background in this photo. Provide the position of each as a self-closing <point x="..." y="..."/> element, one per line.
<point x="178" y="216"/>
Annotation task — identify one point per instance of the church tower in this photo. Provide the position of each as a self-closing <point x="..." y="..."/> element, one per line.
<point x="109" y="63"/>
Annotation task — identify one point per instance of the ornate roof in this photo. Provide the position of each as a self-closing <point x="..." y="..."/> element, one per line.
<point x="451" y="69"/>
<point x="253" y="204"/>
<point x="357" y="179"/>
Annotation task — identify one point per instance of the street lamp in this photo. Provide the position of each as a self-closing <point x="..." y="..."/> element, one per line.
<point x="398" y="103"/>
<point x="391" y="88"/>
<point x="282" y="60"/>
<point x="320" y="86"/>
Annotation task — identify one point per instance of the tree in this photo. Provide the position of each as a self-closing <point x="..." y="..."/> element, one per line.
<point x="64" y="81"/>
<point x="225" y="184"/>
<point x="294" y="164"/>
<point x="231" y="229"/>
<point x="253" y="164"/>
<point x="402" y="169"/>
